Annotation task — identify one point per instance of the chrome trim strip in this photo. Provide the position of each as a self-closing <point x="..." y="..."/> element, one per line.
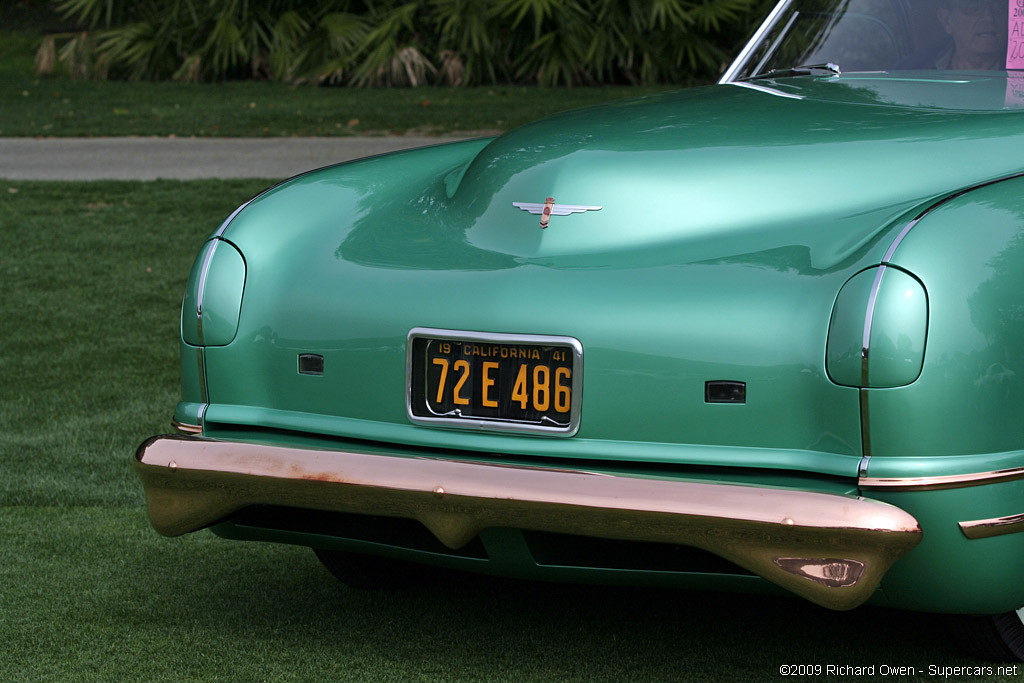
<point x="204" y="395"/>
<point x="830" y="548"/>
<point x="865" y="433"/>
<point x="765" y="26"/>
<point x="865" y="362"/>
<point x="862" y="467"/>
<point x="899" y="238"/>
<point x="951" y="481"/>
<point x="997" y="526"/>
<point x="891" y="251"/>
<point x="869" y="316"/>
<point x="204" y="392"/>
<point x="775" y="45"/>
<point x="224" y="226"/>
<point x="575" y="406"/>
<point x="201" y="287"/>
<point x="765" y="89"/>
<point x="186" y="429"/>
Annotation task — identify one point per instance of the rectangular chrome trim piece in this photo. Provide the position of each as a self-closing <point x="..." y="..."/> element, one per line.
<point x="952" y="481"/>
<point x="576" y="404"/>
<point x="997" y="526"/>
<point x="765" y="26"/>
<point x="787" y="536"/>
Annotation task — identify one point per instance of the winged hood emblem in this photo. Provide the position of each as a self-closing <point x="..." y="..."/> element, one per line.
<point x="549" y="209"/>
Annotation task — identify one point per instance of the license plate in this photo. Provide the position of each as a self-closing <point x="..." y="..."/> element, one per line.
<point x="502" y="382"/>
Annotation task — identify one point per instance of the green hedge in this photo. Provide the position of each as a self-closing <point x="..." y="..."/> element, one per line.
<point x="389" y="42"/>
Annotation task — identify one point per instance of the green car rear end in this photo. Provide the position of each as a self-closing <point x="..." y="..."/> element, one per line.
<point x="747" y="337"/>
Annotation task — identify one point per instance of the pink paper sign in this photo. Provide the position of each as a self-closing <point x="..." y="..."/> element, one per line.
<point x="1015" y="36"/>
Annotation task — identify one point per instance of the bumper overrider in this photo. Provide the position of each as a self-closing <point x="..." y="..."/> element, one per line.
<point x="828" y="548"/>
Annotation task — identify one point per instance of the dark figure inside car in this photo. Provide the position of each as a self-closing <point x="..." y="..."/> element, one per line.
<point x="974" y="40"/>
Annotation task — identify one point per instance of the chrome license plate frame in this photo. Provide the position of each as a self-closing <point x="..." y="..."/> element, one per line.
<point x="494" y="368"/>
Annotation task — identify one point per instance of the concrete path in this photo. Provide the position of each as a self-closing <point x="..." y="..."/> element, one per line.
<point x="185" y="158"/>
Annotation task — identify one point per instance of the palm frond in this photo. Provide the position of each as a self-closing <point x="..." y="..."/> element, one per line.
<point x="452" y="70"/>
<point x="46" y="56"/>
<point x="76" y="55"/>
<point x="401" y="42"/>
<point x="225" y="47"/>
<point x="91" y="12"/>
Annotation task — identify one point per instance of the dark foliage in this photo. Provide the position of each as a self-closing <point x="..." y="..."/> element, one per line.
<point x="391" y="42"/>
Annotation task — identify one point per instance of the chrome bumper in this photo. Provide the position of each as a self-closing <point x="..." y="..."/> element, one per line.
<point x="830" y="549"/>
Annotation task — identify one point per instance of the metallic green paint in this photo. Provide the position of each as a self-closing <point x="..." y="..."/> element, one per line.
<point x="792" y="477"/>
<point x="738" y="224"/>
<point x="898" y="330"/>
<point x="949" y="572"/>
<point x="190" y="408"/>
<point x="969" y="252"/>
<point x="344" y="261"/>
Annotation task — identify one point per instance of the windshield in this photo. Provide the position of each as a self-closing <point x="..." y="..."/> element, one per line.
<point x="888" y="35"/>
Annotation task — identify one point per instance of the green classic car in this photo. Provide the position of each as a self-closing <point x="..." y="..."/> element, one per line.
<point x="766" y="335"/>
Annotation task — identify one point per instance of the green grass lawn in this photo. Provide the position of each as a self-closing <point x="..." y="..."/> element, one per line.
<point x="61" y="106"/>
<point x="92" y="275"/>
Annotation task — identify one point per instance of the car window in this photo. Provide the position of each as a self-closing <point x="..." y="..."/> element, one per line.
<point x="890" y="35"/>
